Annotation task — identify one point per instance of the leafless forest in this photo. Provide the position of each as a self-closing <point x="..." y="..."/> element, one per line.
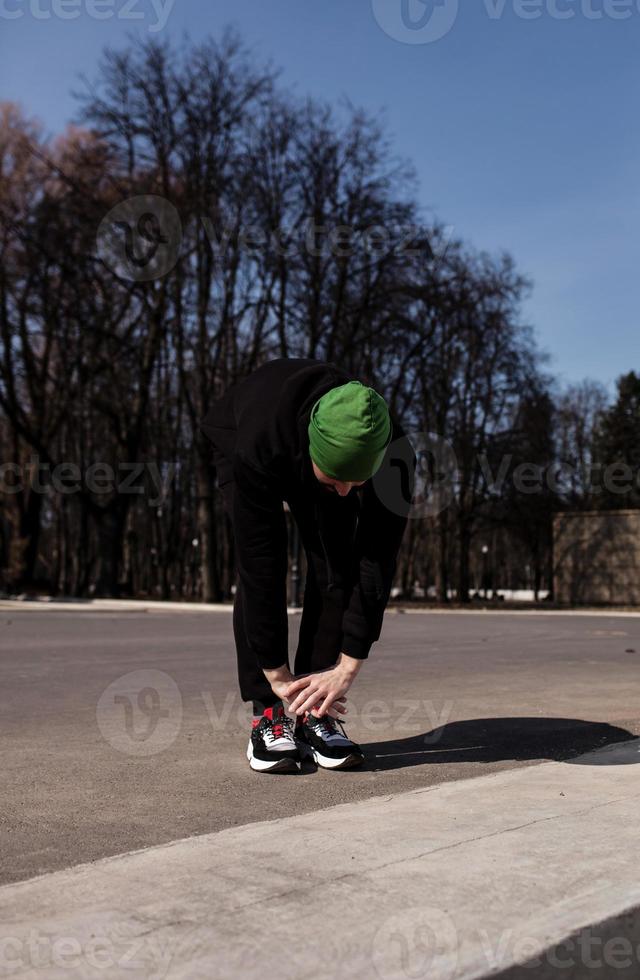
<point x="293" y="230"/>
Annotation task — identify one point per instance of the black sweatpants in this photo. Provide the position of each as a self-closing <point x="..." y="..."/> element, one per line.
<point x="331" y="569"/>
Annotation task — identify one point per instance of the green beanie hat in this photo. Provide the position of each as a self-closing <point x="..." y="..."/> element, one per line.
<point x="349" y="431"/>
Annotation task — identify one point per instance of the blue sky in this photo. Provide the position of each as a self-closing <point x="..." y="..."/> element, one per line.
<point x="523" y="129"/>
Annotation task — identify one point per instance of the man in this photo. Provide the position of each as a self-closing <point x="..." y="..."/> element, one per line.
<point x="305" y="432"/>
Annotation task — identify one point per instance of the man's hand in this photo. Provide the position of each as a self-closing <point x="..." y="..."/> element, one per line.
<point x="324" y="691"/>
<point x="287" y="687"/>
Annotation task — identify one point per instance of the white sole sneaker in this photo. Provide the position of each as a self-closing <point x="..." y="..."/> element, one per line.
<point x="273" y="765"/>
<point x="347" y="762"/>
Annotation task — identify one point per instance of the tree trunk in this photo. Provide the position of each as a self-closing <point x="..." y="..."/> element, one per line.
<point x="464" y="547"/>
<point x="110" y="526"/>
<point x="211" y="591"/>
<point x="442" y="563"/>
<point x="30" y="535"/>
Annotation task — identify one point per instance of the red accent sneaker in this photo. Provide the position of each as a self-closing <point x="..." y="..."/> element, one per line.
<point x="272" y="746"/>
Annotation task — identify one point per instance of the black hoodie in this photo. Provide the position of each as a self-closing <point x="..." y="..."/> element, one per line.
<point x="259" y="433"/>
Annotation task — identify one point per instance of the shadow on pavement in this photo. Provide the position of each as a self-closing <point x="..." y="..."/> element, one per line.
<point x="496" y="740"/>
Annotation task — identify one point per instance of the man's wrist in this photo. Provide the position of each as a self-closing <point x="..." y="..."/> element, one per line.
<point x="347" y="665"/>
<point x="277" y="674"/>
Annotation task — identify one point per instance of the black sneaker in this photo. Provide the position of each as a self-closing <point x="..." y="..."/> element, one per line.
<point x="272" y="746"/>
<point x="326" y="740"/>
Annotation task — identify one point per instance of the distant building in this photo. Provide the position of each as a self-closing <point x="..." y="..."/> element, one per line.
<point x="596" y="557"/>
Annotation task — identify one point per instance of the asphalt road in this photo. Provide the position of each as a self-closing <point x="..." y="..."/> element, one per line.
<point x="123" y="730"/>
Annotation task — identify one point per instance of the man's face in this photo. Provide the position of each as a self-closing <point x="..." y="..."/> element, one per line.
<point x="334" y="486"/>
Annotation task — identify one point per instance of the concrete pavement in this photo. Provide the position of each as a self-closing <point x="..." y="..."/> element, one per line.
<point x="123" y="730"/>
<point x="459" y="880"/>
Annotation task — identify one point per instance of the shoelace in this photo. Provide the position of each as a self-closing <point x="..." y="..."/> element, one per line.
<point x="281" y="728"/>
<point x="327" y="726"/>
